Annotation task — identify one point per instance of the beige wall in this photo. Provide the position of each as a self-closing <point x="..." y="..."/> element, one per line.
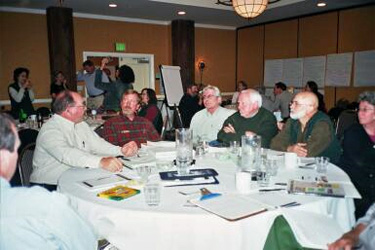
<point x="217" y="48"/>
<point x="334" y="32"/>
<point x="24" y="42"/>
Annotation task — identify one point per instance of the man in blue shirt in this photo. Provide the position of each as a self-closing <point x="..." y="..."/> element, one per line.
<point x="33" y="218"/>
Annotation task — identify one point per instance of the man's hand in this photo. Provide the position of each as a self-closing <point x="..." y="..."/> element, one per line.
<point x="348" y="240"/>
<point x="27" y="84"/>
<point x="111" y="164"/>
<point x="229" y="129"/>
<point x="299" y="149"/>
<point x="104" y="63"/>
<point x="129" y="149"/>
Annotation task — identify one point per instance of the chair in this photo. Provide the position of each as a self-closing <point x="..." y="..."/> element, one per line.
<point x="44" y="111"/>
<point x="345" y="120"/>
<point x="25" y="164"/>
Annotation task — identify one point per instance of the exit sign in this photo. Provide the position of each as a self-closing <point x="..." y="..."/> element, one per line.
<point x="120" y="46"/>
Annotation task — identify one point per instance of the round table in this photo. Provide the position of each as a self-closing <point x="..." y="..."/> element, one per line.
<point x="130" y="223"/>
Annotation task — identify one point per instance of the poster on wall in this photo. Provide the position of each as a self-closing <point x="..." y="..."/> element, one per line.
<point x="273" y="72"/>
<point x="314" y="69"/>
<point x="292" y="72"/>
<point x="339" y="69"/>
<point x="364" y="67"/>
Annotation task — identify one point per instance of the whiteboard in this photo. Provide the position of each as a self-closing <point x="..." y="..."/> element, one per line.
<point x="339" y="69"/>
<point x="364" y="68"/>
<point x="273" y="72"/>
<point x="292" y="72"/>
<point x="171" y="79"/>
<point x="314" y="69"/>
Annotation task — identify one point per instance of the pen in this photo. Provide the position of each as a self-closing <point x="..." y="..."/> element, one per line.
<point x="122" y="158"/>
<point x="127" y="166"/>
<point x="269" y="190"/>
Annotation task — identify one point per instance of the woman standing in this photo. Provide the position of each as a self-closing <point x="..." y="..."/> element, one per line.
<point x="20" y="93"/>
<point x="358" y="159"/>
<point x="58" y="85"/>
<point x="114" y="90"/>
<point x="149" y="108"/>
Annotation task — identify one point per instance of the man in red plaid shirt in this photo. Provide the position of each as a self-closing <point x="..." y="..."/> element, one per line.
<point x="128" y="126"/>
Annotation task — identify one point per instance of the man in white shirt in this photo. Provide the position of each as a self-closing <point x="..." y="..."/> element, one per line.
<point x="67" y="141"/>
<point x="33" y="218"/>
<point x="206" y="123"/>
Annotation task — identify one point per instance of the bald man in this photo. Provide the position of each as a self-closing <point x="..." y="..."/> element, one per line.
<point x="309" y="132"/>
<point x="251" y="119"/>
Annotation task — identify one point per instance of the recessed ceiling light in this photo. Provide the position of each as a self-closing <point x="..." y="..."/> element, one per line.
<point x="112" y="5"/>
<point x="181" y="13"/>
<point x="321" y="4"/>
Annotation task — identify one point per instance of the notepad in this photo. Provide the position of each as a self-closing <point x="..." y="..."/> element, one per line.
<point x="118" y="193"/>
<point x="232" y="207"/>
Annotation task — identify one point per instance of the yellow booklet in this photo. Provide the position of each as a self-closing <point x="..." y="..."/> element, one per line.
<point x="118" y="193"/>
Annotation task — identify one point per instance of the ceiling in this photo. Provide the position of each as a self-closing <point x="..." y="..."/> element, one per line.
<point x="202" y="12"/>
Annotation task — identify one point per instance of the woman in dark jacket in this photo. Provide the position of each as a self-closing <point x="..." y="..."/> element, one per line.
<point x="149" y="108"/>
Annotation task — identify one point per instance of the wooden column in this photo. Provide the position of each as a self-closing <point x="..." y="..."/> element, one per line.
<point x="61" y="43"/>
<point x="183" y="49"/>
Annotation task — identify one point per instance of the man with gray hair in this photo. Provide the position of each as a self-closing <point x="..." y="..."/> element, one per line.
<point x="206" y="123"/>
<point x="250" y="119"/>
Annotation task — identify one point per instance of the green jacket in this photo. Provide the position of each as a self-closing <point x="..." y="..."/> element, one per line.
<point x="319" y="135"/>
<point x="263" y="124"/>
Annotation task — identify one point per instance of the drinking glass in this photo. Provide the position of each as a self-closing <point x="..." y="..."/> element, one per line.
<point x="250" y="152"/>
<point x="263" y="178"/>
<point x="144" y="172"/>
<point x="152" y="194"/>
<point x="321" y="164"/>
<point x="184" y="146"/>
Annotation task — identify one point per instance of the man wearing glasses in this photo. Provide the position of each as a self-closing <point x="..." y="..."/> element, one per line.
<point x="67" y="141"/>
<point x="309" y="132"/>
<point x="207" y="122"/>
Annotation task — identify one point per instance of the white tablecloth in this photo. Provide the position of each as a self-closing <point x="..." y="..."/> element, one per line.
<point x="131" y="224"/>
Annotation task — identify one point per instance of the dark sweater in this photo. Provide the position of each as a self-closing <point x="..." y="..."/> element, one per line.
<point x="263" y="124"/>
<point x="26" y="104"/>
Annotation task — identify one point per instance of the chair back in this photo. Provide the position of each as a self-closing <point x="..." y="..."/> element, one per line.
<point x="346" y="119"/>
<point x="25" y="164"/>
<point x="44" y="111"/>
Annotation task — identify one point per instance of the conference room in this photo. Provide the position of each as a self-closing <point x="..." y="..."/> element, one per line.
<point x="291" y="41"/>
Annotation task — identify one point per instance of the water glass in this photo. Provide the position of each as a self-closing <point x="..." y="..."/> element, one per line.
<point x="250" y="152"/>
<point x="152" y="194"/>
<point x="271" y="166"/>
<point x="321" y="164"/>
<point x="184" y="149"/>
<point x="144" y="172"/>
<point x="234" y="148"/>
<point x="263" y="178"/>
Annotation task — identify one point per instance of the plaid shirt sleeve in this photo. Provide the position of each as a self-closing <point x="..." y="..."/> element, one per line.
<point x="120" y="130"/>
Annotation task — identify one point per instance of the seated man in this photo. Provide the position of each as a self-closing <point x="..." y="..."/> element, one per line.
<point x="67" y="141"/>
<point x="33" y="218"/>
<point x="128" y="126"/>
<point x="282" y="99"/>
<point x="362" y="236"/>
<point x="207" y="122"/>
<point x="250" y="119"/>
<point x="310" y="132"/>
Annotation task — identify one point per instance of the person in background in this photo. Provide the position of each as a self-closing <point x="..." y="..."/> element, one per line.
<point x="33" y="218"/>
<point x="128" y="126"/>
<point x="114" y="91"/>
<point x="266" y="102"/>
<point x="361" y="237"/>
<point x="309" y="132"/>
<point x="58" y="85"/>
<point x="189" y="105"/>
<point x="251" y="119"/>
<point x="241" y="85"/>
<point x="358" y="158"/>
<point x="96" y="96"/>
<point x="21" y="93"/>
<point x="149" y="108"/>
<point x="65" y="141"/>
<point x="282" y="100"/>
<point x="311" y="86"/>
<point x="206" y="123"/>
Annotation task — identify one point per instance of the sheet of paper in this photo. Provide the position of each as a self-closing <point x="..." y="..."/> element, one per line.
<point x="339" y="69"/>
<point x="292" y="72"/>
<point x="314" y="69"/>
<point x="273" y="72"/>
<point x="364" y="65"/>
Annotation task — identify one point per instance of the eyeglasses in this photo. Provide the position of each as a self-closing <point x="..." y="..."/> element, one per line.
<point x="364" y="109"/>
<point x="299" y="104"/>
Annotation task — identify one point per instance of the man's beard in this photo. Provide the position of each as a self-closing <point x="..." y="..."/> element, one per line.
<point x="298" y="115"/>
